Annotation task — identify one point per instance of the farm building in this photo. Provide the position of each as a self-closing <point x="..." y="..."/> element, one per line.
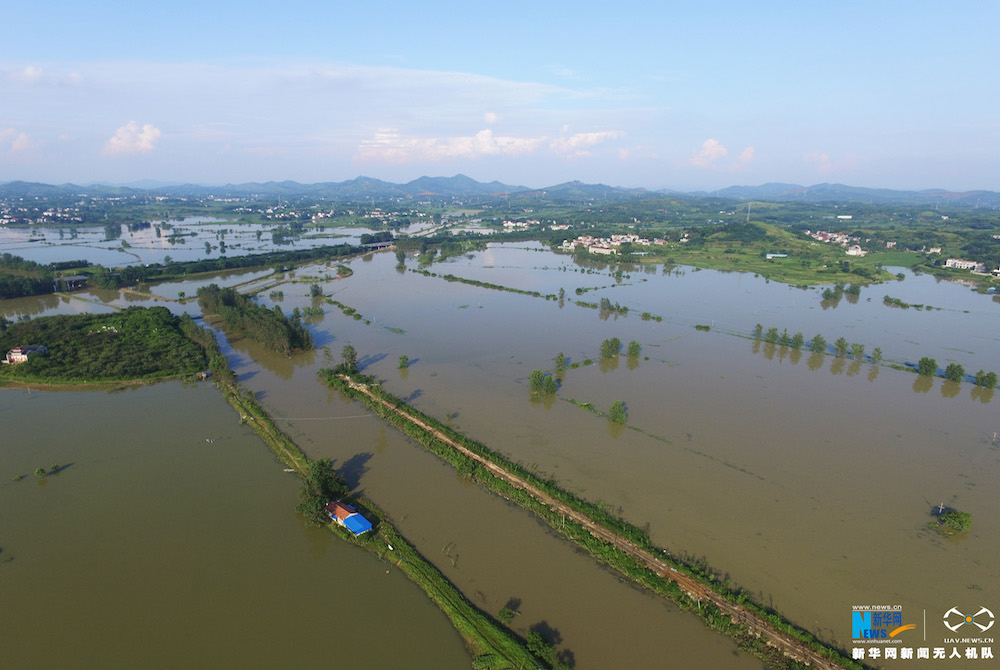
<point x="348" y="517"/>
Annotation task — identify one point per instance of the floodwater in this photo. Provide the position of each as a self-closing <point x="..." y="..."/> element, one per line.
<point x="167" y="540"/>
<point x="807" y="480"/>
<point x="191" y="239"/>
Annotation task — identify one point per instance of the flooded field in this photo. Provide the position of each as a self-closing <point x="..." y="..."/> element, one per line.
<point x="191" y="239"/>
<point x="808" y="480"/>
<point x="167" y="539"/>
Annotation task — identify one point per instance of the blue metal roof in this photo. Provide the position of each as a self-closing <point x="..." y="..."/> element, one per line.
<point x="357" y="524"/>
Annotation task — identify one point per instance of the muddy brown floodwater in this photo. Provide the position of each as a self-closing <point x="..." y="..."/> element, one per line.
<point x="807" y="480"/>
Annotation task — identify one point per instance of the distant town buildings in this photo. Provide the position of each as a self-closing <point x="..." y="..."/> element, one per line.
<point x="608" y="245"/>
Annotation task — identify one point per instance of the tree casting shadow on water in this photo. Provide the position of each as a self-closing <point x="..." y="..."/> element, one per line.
<point x="354" y="468"/>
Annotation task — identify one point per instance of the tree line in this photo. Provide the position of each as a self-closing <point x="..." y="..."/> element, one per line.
<point x="268" y="327"/>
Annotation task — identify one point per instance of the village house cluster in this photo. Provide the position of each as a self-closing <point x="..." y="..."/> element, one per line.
<point x="608" y="245"/>
<point x="852" y="245"/>
<point x="853" y="248"/>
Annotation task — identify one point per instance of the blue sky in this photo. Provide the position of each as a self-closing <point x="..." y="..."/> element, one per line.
<point x="694" y="96"/>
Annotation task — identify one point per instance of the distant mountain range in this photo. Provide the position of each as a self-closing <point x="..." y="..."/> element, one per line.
<point x="461" y="186"/>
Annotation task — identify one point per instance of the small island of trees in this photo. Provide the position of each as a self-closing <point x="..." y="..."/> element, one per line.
<point x="269" y="327"/>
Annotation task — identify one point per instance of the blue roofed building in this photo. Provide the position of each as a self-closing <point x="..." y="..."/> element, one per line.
<point x="348" y="517"/>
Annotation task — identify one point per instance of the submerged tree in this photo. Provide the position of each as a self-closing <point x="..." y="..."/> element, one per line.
<point x="350" y="362"/>
<point x="634" y="349"/>
<point x="956" y="520"/>
<point x="617" y="412"/>
<point x="986" y="379"/>
<point x="818" y="344"/>
<point x="954" y="372"/>
<point x="840" y="347"/>
<point x="927" y="366"/>
<point x="610" y="347"/>
<point x="536" y="380"/>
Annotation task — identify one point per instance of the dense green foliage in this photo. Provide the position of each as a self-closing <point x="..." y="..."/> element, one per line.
<point x="19" y="277"/>
<point x="954" y="372"/>
<point x="617" y="412"/>
<point x="986" y="379"/>
<point x="136" y="343"/>
<point x="321" y="485"/>
<point x="927" y="366"/>
<point x="240" y="313"/>
<point x="956" y="520"/>
<point x="610" y="347"/>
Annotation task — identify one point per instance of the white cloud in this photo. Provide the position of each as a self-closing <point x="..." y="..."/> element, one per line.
<point x="389" y="145"/>
<point x="580" y="143"/>
<point x="712" y="151"/>
<point x="491" y="118"/>
<point x="30" y="74"/>
<point x="133" y="139"/>
<point x="745" y="157"/>
<point x="14" y="141"/>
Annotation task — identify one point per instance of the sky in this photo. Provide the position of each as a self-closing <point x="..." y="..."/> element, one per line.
<point x="686" y="96"/>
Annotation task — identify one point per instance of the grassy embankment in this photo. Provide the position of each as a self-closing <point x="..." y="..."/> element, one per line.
<point x="491" y="645"/>
<point x="603" y="551"/>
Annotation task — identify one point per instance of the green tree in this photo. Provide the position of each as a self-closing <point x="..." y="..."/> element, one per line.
<point x="634" y="349"/>
<point x="927" y="366"/>
<point x="617" y="412"/>
<point x="986" y="379"/>
<point x="39" y="472"/>
<point x="321" y="485"/>
<point x="954" y="372"/>
<point x="400" y="256"/>
<point x="857" y="351"/>
<point x="876" y="355"/>
<point x="404" y="362"/>
<point x="771" y="336"/>
<point x="798" y="339"/>
<point x="315" y="290"/>
<point x="840" y="347"/>
<point x="610" y="347"/>
<point x="536" y="380"/>
<point x="818" y="344"/>
<point x="506" y="615"/>
<point x="959" y="521"/>
<point x="549" y="385"/>
<point x="350" y="359"/>
<point x="540" y="648"/>
<point x="560" y="361"/>
<point x="758" y="330"/>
